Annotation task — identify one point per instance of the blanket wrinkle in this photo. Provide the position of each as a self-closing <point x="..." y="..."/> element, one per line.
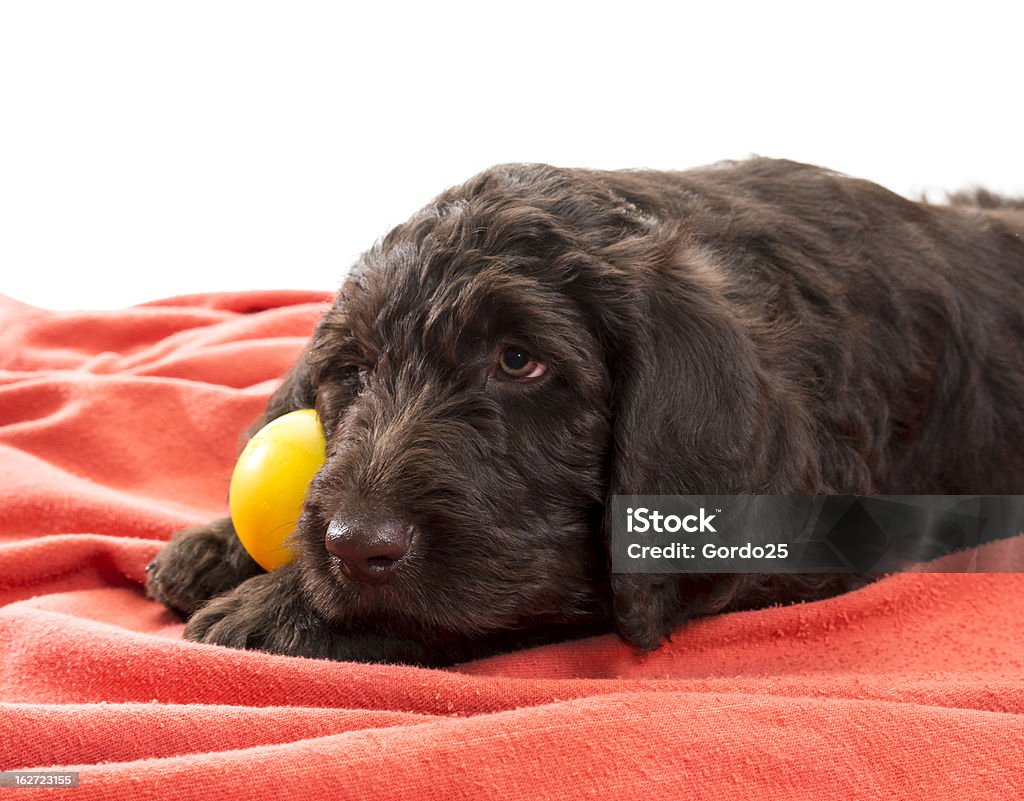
<point x="118" y="428"/>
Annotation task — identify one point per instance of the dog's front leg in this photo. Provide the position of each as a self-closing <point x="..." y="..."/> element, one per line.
<point x="198" y="564"/>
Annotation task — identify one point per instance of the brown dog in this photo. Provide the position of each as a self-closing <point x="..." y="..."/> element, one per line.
<point x="539" y="339"/>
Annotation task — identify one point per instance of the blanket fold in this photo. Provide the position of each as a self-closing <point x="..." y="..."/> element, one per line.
<point x="118" y="428"/>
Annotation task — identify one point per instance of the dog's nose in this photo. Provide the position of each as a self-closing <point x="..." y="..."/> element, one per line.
<point x="370" y="554"/>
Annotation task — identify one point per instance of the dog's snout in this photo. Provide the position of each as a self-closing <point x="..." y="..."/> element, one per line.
<point x="370" y="553"/>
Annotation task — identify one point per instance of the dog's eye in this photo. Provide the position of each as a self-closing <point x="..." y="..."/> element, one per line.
<point x="518" y="363"/>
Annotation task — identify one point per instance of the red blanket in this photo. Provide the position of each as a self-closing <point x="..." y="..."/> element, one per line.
<point x="118" y="428"/>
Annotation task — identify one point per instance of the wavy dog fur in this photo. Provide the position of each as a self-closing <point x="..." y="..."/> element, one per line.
<point x="752" y="327"/>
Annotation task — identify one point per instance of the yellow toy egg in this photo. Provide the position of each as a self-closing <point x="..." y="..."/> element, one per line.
<point x="270" y="482"/>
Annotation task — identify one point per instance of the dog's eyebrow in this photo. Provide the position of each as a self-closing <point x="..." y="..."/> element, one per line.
<point x="482" y="305"/>
<point x="328" y="353"/>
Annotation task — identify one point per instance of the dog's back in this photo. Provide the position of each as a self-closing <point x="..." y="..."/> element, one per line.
<point x="901" y="322"/>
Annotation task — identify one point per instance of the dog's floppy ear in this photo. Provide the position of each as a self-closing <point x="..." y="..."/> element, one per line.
<point x="691" y="415"/>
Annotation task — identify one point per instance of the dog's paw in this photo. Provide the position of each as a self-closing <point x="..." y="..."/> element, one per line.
<point x="227" y="621"/>
<point x="199" y="564"/>
<point x="263" y="614"/>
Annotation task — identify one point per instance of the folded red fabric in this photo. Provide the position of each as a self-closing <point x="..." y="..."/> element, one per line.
<point x="118" y="428"/>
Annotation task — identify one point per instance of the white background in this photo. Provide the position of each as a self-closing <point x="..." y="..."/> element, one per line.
<point x="151" y="149"/>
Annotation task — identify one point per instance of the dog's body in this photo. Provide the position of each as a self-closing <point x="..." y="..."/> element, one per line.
<point x="539" y="339"/>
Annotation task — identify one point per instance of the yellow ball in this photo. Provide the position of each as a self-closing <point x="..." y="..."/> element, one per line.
<point x="270" y="482"/>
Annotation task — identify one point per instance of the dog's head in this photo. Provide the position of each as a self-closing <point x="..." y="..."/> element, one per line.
<point x="491" y="372"/>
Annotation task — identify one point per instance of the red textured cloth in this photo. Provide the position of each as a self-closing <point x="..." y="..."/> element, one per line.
<point x="118" y="428"/>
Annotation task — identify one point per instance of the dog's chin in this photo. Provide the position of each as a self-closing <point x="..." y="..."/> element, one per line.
<point x="420" y="605"/>
<point x="408" y="605"/>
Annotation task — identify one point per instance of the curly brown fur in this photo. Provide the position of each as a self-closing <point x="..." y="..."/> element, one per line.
<point x="752" y="327"/>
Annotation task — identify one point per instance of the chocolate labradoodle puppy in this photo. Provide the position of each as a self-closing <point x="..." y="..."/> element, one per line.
<point x="539" y="339"/>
